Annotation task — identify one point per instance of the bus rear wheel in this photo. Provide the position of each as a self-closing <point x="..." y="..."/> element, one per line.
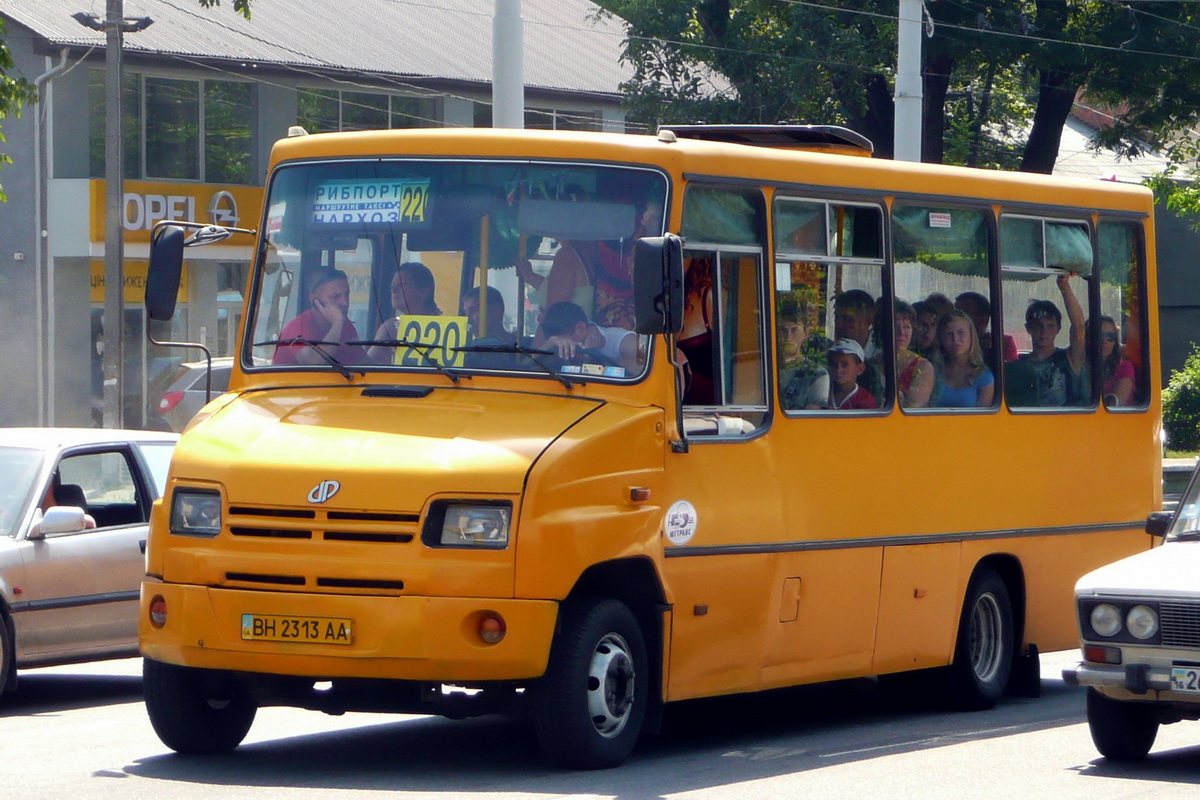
<point x="983" y="653"/>
<point x="591" y="703"/>
<point x="1122" y="731"/>
<point x="196" y="711"/>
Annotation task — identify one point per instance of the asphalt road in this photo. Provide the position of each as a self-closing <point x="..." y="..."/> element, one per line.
<point x="81" y="732"/>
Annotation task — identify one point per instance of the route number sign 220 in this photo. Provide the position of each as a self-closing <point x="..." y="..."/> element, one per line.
<point x="436" y="337"/>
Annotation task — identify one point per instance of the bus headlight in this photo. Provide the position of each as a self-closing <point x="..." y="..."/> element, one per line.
<point x="1106" y="619"/>
<point x="1142" y="622"/>
<point x="464" y="524"/>
<point x="196" y="512"/>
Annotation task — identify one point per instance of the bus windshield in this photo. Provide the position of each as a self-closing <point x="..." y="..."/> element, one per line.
<point x="457" y="267"/>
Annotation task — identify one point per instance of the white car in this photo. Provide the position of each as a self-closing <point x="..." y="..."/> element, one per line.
<point x="74" y="505"/>
<point x="1139" y="620"/>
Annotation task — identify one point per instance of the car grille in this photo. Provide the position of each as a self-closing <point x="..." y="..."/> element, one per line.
<point x="1180" y="624"/>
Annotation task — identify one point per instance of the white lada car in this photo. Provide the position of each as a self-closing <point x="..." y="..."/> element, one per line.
<point x="1139" y="619"/>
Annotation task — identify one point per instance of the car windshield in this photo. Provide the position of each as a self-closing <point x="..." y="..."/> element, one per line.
<point x="19" y="468"/>
<point x="453" y="267"/>
<point x="1186" y="524"/>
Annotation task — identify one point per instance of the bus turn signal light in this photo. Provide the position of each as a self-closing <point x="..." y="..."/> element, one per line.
<point x="492" y="627"/>
<point x="158" y="611"/>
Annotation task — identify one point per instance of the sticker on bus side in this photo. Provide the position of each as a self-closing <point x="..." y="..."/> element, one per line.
<point x="442" y="334"/>
<point x="680" y="524"/>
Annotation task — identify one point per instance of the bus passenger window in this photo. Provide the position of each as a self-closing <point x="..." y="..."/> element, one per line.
<point x="828" y="283"/>
<point x="942" y="262"/>
<point x="1045" y="266"/>
<point x="1122" y="358"/>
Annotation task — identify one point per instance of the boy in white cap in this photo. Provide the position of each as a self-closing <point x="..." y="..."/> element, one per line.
<point x="846" y="362"/>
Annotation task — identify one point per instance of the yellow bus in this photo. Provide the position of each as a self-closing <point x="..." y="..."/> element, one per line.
<point x="581" y="425"/>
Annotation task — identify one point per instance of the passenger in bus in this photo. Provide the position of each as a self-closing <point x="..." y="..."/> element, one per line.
<point x="570" y="276"/>
<point x="846" y="362"/>
<point x="941" y="303"/>
<point x="963" y="379"/>
<point x="979" y="309"/>
<point x="567" y="331"/>
<point x="412" y="290"/>
<point x="696" y="338"/>
<point x="803" y="379"/>
<point x="327" y="323"/>
<point x="495" y="316"/>
<point x="914" y="372"/>
<point x="1048" y="375"/>
<point x="1118" y="379"/>
<point x="924" y="340"/>
<point x="614" y="270"/>
<point x="853" y="318"/>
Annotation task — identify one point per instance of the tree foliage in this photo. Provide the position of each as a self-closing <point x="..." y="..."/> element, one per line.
<point x="15" y="92"/>
<point x="999" y="76"/>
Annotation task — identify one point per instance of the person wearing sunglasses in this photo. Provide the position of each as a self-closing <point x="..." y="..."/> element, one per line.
<point x="1118" y="378"/>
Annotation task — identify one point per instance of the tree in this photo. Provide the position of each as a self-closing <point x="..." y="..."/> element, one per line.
<point x="992" y="70"/>
<point x="14" y="94"/>
<point x="16" y="91"/>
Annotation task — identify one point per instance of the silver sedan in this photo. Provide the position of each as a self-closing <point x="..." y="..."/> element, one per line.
<point x="74" y="505"/>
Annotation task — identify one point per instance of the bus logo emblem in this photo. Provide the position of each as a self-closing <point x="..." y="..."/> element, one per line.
<point x="680" y="524"/>
<point x="323" y="491"/>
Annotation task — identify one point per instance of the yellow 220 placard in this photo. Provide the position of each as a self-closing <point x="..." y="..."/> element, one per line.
<point x="441" y="334"/>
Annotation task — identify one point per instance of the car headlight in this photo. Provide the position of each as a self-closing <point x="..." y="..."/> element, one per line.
<point x="1142" y="621"/>
<point x="476" y="525"/>
<point x="196" y="512"/>
<point x="1106" y="619"/>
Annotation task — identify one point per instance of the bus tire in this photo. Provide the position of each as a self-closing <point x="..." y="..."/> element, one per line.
<point x="7" y="653"/>
<point x="195" y="711"/>
<point x="983" y="652"/>
<point x="591" y="703"/>
<point x="1121" y="730"/>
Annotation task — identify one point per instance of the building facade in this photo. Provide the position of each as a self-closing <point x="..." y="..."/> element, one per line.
<point x="205" y="94"/>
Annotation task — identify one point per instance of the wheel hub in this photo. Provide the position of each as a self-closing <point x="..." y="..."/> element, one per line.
<point x="986" y="630"/>
<point x="610" y="689"/>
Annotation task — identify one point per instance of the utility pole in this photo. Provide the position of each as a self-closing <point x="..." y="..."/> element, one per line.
<point x="115" y="25"/>
<point x="909" y="90"/>
<point x="508" y="65"/>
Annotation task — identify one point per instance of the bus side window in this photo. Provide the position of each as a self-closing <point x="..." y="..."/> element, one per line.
<point x="1046" y="268"/>
<point x="1121" y="353"/>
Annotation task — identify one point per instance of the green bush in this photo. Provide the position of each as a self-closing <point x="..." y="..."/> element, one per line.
<point x="1181" y="405"/>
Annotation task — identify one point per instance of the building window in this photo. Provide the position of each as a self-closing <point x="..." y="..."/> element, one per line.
<point x="556" y="119"/>
<point x="177" y="129"/>
<point x="131" y="124"/>
<point x="327" y="110"/>
<point x="172" y="129"/>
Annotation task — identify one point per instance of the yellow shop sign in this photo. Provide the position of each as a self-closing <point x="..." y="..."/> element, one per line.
<point x="147" y="202"/>
<point x="135" y="281"/>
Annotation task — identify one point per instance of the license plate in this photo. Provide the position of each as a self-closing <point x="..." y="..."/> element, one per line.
<point x="316" y="630"/>
<point x="1185" y="679"/>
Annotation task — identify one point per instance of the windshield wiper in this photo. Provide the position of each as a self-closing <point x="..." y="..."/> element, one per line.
<point x="316" y="345"/>
<point x="420" y="347"/>
<point x="530" y="353"/>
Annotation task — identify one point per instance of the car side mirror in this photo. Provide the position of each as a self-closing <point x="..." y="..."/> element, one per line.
<point x="1158" y="523"/>
<point x="658" y="284"/>
<point x="57" y="519"/>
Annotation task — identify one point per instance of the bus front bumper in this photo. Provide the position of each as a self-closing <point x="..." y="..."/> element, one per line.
<point x="403" y="638"/>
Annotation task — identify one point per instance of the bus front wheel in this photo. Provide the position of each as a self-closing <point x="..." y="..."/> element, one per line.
<point x="983" y="653"/>
<point x="1122" y="731"/>
<point x="591" y="703"/>
<point x="196" y="711"/>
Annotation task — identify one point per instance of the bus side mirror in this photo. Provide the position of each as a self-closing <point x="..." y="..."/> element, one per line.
<point x="1158" y="523"/>
<point x="166" y="266"/>
<point x="658" y="284"/>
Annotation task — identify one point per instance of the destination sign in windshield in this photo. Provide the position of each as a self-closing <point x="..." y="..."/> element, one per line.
<point x="373" y="200"/>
